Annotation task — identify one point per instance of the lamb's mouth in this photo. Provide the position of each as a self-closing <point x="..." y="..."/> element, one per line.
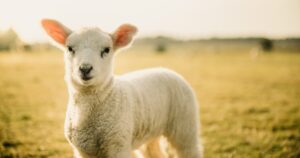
<point x="86" y="78"/>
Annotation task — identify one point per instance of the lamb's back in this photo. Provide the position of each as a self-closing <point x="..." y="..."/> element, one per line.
<point x="154" y="81"/>
<point x="152" y="92"/>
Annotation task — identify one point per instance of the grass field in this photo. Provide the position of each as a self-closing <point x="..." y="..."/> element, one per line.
<point x="249" y="108"/>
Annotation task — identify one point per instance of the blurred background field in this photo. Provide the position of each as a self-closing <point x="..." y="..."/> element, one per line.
<point x="250" y="104"/>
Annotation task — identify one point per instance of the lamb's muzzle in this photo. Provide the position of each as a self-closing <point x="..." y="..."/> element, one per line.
<point x="85" y="70"/>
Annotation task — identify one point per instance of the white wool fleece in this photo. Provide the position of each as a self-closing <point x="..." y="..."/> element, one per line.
<point x="109" y="116"/>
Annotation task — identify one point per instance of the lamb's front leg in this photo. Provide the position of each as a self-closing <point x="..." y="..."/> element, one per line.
<point x="78" y="154"/>
<point x="114" y="154"/>
<point x="120" y="147"/>
<point x="123" y="154"/>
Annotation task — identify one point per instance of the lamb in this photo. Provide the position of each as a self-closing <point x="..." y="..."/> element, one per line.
<point x="109" y="116"/>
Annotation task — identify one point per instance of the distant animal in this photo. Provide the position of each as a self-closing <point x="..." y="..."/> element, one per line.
<point x="109" y="116"/>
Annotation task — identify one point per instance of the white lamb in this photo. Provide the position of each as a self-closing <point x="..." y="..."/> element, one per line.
<point x="109" y="116"/>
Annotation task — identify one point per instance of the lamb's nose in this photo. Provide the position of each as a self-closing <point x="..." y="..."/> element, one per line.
<point x="85" y="68"/>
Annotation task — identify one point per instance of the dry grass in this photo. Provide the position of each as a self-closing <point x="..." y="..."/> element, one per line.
<point x="249" y="108"/>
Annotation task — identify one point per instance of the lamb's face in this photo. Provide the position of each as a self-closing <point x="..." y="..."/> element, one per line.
<point x="89" y="52"/>
<point x="88" y="56"/>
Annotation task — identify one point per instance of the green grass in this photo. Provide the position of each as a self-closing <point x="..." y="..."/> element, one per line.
<point x="249" y="108"/>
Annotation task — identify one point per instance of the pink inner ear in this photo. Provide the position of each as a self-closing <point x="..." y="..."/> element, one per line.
<point x="124" y="34"/>
<point x="55" y="30"/>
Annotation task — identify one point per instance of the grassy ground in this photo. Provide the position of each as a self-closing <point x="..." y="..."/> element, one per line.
<point x="249" y="108"/>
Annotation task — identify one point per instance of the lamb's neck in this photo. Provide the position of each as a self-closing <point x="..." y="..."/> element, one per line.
<point x="101" y="91"/>
<point x="84" y="101"/>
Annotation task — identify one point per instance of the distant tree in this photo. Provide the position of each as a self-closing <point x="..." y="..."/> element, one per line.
<point x="9" y="40"/>
<point x="27" y="47"/>
<point x="266" y="45"/>
<point x="161" y="48"/>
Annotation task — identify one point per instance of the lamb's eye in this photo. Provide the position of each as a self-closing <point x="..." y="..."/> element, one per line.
<point x="104" y="51"/>
<point x="70" y="49"/>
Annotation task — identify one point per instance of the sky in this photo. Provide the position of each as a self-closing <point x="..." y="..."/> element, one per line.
<point x="176" y="18"/>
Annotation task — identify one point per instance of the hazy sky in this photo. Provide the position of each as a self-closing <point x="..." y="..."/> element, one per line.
<point x="177" y="18"/>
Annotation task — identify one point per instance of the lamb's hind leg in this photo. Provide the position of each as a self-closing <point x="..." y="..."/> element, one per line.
<point x="153" y="149"/>
<point x="186" y="143"/>
<point x="183" y="131"/>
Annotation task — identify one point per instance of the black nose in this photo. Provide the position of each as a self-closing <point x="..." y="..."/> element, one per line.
<point x="85" y="69"/>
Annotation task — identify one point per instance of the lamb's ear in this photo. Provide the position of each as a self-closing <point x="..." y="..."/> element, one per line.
<point x="56" y="30"/>
<point x="123" y="35"/>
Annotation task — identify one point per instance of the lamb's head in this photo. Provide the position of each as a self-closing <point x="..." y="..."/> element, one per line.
<point x="89" y="52"/>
